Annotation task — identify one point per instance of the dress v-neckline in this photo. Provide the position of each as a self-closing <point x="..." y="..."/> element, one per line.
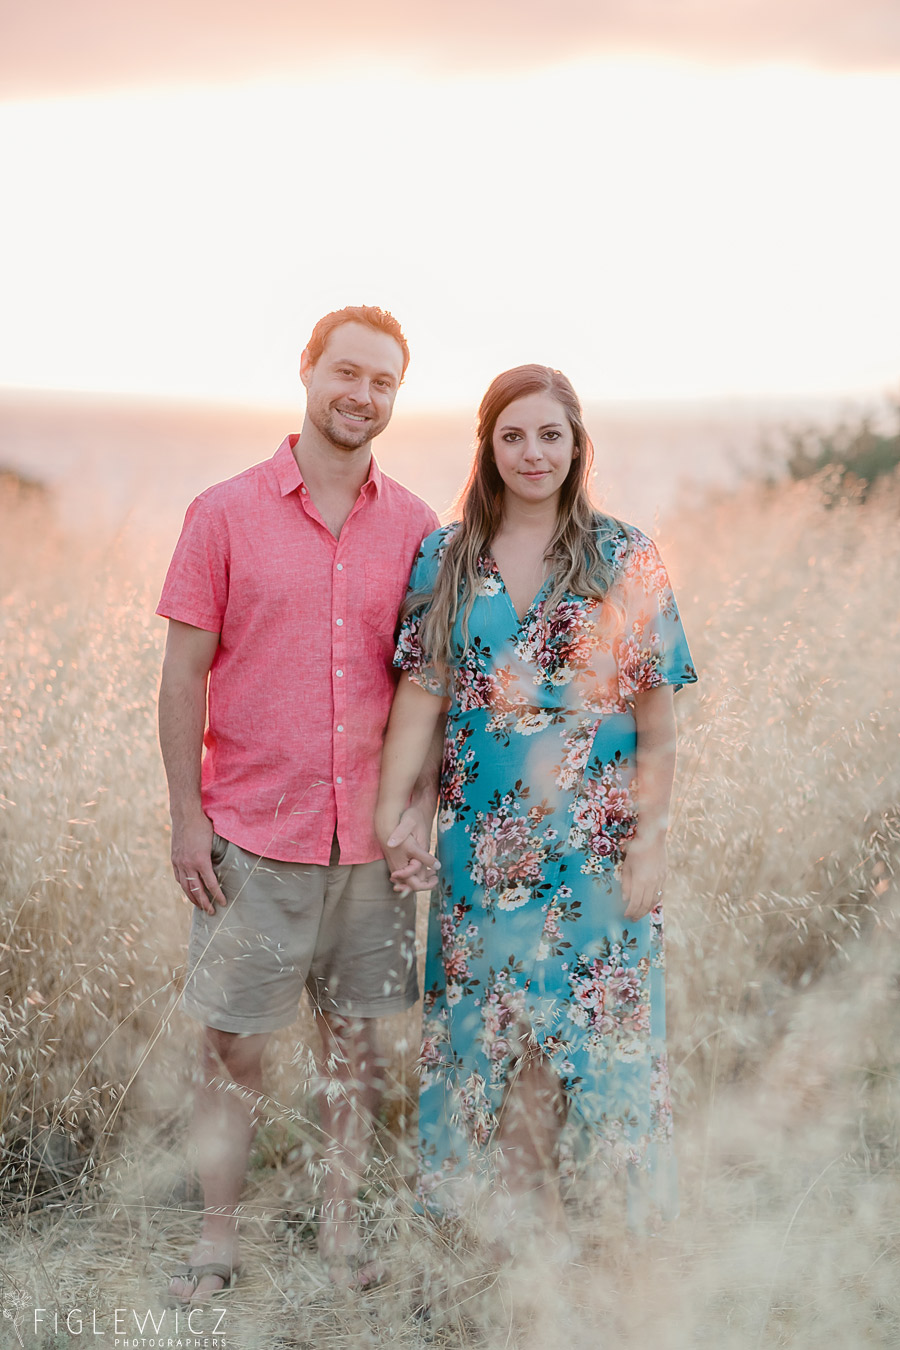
<point x="520" y="621"/>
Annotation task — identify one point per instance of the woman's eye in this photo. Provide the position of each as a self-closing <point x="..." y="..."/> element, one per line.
<point x="510" y="436"/>
<point x="551" y="435"/>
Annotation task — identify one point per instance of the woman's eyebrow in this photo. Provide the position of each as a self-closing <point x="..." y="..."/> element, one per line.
<point x="546" y="426"/>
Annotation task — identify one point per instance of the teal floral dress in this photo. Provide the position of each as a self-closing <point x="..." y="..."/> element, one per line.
<point x="527" y="935"/>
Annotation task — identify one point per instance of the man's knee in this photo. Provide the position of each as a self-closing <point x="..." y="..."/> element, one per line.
<point x="229" y="1053"/>
<point x="345" y="1032"/>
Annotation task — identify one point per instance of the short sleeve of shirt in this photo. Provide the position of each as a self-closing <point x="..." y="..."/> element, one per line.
<point x="196" y="586"/>
<point x="652" y="649"/>
<point x="410" y="656"/>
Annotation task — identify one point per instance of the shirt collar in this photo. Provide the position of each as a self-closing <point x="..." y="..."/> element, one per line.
<point x="373" y="482"/>
<point x="287" y="470"/>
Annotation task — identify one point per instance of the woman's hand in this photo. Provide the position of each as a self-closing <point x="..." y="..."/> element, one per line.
<point x="405" y="848"/>
<point x="408" y="789"/>
<point x="644" y="875"/>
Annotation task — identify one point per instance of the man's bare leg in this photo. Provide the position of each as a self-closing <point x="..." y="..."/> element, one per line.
<point x="224" y="1124"/>
<point x="352" y="1075"/>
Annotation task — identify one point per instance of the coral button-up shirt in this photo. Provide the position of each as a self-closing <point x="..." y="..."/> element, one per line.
<point x="302" y="681"/>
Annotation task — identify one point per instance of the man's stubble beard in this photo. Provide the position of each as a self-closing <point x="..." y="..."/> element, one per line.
<point x="343" y="438"/>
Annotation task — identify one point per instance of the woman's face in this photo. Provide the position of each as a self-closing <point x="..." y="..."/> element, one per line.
<point x="533" y="447"/>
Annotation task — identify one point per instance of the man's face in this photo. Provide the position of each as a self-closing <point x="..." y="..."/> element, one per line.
<point x="350" y="390"/>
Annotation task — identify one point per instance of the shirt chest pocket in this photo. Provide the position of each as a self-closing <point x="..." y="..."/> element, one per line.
<point x="384" y="591"/>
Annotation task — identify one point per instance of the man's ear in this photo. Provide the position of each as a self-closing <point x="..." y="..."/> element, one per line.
<point x="306" y="367"/>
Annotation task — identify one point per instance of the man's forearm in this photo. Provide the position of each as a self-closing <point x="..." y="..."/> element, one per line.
<point x="182" y="721"/>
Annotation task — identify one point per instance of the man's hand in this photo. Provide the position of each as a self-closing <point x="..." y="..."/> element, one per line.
<point x="413" y="868"/>
<point x="182" y="717"/>
<point x="192" y="865"/>
<point x="643" y="876"/>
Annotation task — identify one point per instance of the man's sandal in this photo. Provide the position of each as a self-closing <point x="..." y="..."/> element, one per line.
<point x="221" y="1270"/>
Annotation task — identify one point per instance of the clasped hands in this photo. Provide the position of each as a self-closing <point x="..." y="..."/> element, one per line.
<point x="412" y="866"/>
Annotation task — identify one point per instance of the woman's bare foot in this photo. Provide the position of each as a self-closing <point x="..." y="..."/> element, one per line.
<point x="358" y="1272"/>
<point x="516" y="1223"/>
<point x="341" y="1248"/>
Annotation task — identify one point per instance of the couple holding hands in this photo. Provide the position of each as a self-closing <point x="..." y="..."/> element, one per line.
<point x="538" y="647"/>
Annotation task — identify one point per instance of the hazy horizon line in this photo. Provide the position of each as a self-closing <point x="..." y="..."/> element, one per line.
<point x="36" y="394"/>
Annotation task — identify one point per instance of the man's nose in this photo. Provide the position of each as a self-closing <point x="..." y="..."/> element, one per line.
<point x="361" y="392"/>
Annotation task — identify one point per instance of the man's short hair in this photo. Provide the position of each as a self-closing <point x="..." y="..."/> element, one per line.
<point x="371" y="315"/>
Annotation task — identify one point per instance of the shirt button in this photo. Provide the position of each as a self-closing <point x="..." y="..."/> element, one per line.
<point x="339" y="673"/>
<point x="340" y="567"/>
<point x="339" y="622"/>
<point x="340" y="726"/>
<point x="303" y="491"/>
<point x="339" y="779"/>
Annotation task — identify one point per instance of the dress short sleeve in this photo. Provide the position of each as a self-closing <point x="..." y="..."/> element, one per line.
<point x="652" y="649"/>
<point x="409" y="656"/>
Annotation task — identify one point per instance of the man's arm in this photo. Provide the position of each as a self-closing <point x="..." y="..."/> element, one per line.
<point x="182" y="721"/>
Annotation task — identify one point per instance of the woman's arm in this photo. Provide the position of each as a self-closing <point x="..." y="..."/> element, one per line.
<point x="408" y="760"/>
<point x="412" y="834"/>
<point x="644" y="869"/>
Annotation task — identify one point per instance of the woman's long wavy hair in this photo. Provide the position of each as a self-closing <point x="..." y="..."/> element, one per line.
<point x="574" y="554"/>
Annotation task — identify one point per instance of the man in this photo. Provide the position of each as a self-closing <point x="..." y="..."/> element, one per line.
<point x="282" y="599"/>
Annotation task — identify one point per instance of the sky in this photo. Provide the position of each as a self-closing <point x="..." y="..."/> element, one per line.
<point x="692" y="200"/>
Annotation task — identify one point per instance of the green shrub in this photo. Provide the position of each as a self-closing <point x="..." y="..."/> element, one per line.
<point x="857" y="449"/>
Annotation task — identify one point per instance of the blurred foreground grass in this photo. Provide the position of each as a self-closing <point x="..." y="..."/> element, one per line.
<point x="784" y="977"/>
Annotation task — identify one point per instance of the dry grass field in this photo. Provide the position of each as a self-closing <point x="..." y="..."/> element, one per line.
<point x="784" y="976"/>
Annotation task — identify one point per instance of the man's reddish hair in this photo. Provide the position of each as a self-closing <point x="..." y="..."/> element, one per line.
<point x="371" y="315"/>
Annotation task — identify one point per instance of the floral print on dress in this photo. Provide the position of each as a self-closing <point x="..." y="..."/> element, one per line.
<point x="604" y="814"/>
<point x="459" y="770"/>
<point x="611" y="1002"/>
<point x="527" y="940"/>
<point x="512" y="851"/>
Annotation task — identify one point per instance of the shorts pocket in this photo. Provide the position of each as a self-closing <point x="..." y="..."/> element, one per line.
<point x="218" y="849"/>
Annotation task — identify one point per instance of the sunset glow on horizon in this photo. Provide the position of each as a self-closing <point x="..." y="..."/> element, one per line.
<point x="657" y="228"/>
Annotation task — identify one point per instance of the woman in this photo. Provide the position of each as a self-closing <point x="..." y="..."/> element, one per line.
<point x="549" y="633"/>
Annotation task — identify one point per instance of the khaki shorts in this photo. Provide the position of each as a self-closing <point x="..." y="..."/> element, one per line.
<point x="339" y="931"/>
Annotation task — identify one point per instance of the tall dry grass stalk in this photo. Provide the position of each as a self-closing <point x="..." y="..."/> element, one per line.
<point x="783" y="973"/>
